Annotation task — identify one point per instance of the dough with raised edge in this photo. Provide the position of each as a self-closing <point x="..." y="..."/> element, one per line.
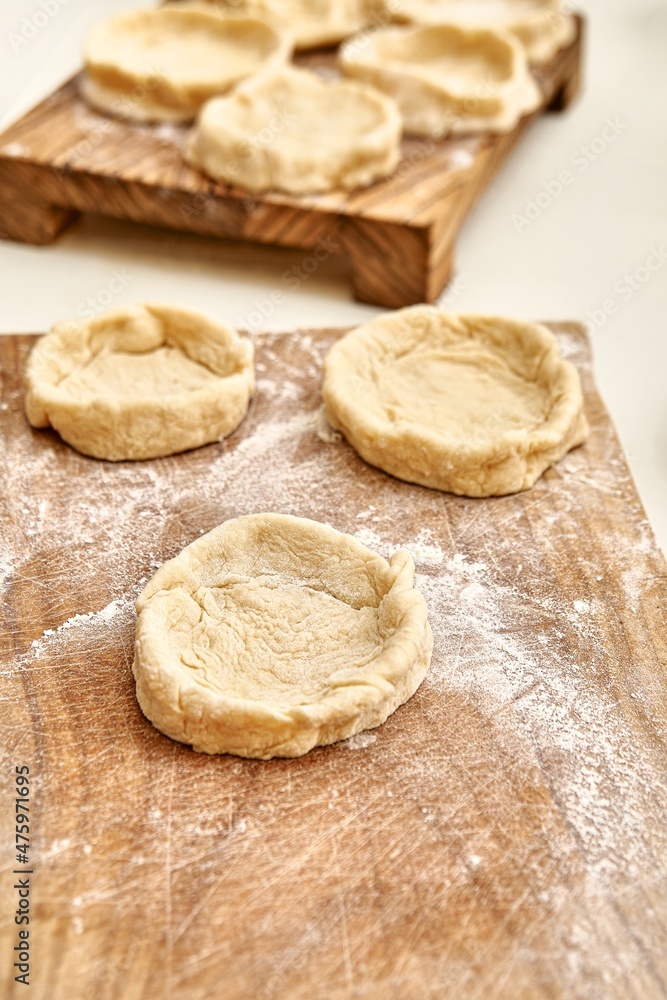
<point x="140" y="382"/>
<point x="163" y="65"/>
<point x="446" y="79"/>
<point x="274" y="634"/>
<point x="542" y="26"/>
<point x="473" y="405"/>
<point x="292" y="131"/>
<point x="311" y="23"/>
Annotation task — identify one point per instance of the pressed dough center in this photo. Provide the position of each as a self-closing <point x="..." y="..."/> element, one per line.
<point x="471" y="66"/>
<point x="463" y="398"/>
<point x="133" y="377"/>
<point x="190" y="57"/>
<point x="271" y="641"/>
<point x="299" y="124"/>
<point x="467" y="67"/>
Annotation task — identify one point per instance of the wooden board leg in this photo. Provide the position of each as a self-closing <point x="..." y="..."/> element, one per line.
<point x="394" y="266"/>
<point x="567" y="94"/>
<point x="570" y="89"/>
<point x="24" y="216"/>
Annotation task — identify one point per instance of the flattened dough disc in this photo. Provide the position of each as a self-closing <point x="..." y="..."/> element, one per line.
<point x="162" y="65"/>
<point x="474" y="405"/>
<point x="273" y="634"/>
<point x="140" y="382"/>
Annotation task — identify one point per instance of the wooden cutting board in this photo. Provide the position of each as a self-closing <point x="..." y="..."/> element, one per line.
<point x="64" y="158"/>
<point x="502" y="836"/>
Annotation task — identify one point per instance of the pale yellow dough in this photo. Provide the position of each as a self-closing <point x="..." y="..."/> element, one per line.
<point x="447" y="79"/>
<point x="474" y="405"/>
<point x="164" y="64"/>
<point x="292" y="131"/>
<point x="273" y="634"/>
<point x="311" y="23"/>
<point x="140" y="382"/>
<point x="542" y="26"/>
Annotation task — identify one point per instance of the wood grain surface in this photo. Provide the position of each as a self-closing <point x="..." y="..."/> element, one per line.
<point x="501" y="836"/>
<point x="64" y="158"/>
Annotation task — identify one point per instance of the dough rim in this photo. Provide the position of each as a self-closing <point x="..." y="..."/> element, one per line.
<point x="307" y="34"/>
<point x="542" y="32"/>
<point x="248" y="728"/>
<point x="512" y="463"/>
<point x="121" y="104"/>
<point x="214" y="143"/>
<point x="94" y="429"/>
<point x="432" y="108"/>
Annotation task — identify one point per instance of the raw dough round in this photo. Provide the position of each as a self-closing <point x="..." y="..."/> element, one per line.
<point x="273" y="634"/>
<point x="140" y="383"/>
<point x="164" y="64"/>
<point x="473" y="405"/>
<point x="292" y="131"/>
<point x="447" y="79"/>
<point x="541" y="26"/>
<point x="312" y="23"/>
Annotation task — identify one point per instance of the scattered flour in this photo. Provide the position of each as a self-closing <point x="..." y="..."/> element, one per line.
<point x="15" y="149"/>
<point x="325" y="431"/>
<point x="359" y="742"/>
<point x="425" y="549"/>
<point x="511" y="653"/>
<point x="112" y="609"/>
<point x="57" y="847"/>
<point x="461" y="159"/>
<point x="93" y="618"/>
<point x="175" y="134"/>
<point x="372" y="540"/>
<point x="524" y="653"/>
<point x="6" y="570"/>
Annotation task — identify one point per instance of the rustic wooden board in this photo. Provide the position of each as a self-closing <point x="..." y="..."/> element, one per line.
<point x="501" y="836"/>
<point x="63" y="158"/>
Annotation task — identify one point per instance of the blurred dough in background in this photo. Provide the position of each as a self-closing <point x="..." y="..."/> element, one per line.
<point x="162" y="65"/>
<point x="446" y="79"/>
<point x="312" y="23"/>
<point x="542" y="26"/>
<point x="293" y="131"/>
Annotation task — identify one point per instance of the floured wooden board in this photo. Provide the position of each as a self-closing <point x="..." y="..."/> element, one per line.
<point x="64" y="158"/>
<point x="502" y="836"/>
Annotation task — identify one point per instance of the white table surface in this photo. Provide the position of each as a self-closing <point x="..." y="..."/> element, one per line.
<point x="565" y="264"/>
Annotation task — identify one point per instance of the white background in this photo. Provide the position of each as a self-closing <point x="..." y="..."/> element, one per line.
<point x="564" y="265"/>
